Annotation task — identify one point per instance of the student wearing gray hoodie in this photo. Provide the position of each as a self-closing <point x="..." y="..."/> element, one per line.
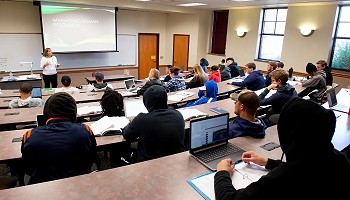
<point x="25" y="100"/>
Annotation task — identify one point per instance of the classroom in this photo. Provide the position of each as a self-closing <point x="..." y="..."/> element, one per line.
<point x="165" y="24"/>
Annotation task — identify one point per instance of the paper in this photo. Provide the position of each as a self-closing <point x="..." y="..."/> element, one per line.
<point x="188" y="114"/>
<point x="133" y="107"/>
<point x="243" y="175"/>
<point x="109" y="123"/>
<point x="89" y="110"/>
<point x="271" y="92"/>
<point x="179" y="96"/>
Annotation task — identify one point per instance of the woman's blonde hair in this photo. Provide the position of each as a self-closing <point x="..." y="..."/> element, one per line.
<point x="200" y="74"/>
<point x="46" y="51"/>
<point x="154" y="73"/>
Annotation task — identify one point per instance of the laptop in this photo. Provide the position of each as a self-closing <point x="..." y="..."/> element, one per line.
<point x="36" y="92"/>
<point x="209" y="141"/>
<point x="130" y="85"/>
<point x="333" y="103"/>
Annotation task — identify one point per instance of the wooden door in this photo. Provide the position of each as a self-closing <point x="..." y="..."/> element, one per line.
<point x="148" y="53"/>
<point x="180" y="51"/>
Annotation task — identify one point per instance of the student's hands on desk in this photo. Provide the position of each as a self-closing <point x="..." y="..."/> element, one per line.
<point x="251" y="156"/>
<point x="226" y="165"/>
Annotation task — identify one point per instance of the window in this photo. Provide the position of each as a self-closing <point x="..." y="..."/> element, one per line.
<point x="272" y="33"/>
<point x="341" y="44"/>
<point x="218" y="40"/>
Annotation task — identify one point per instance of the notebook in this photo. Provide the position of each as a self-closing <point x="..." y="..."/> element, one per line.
<point x="209" y="141"/>
<point x="130" y="85"/>
<point x="333" y="103"/>
<point x="36" y="92"/>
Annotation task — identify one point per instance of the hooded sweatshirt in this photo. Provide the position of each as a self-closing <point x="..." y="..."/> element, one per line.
<point x="211" y="96"/>
<point x="318" y="81"/>
<point x="278" y="99"/>
<point x="254" y="81"/>
<point x="242" y="127"/>
<point x="161" y="131"/>
<point x="99" y="87"/>
<point x="215" y="75"/>
<point x="313" y="168"/>
<point x="26" y="103"/>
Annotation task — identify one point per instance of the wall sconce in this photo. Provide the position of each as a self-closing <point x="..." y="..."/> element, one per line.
<point x="306" y="31"/>
<point x="241" y="33"/>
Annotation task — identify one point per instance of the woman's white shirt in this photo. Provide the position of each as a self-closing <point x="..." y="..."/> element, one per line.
<point x="50" y="69"/>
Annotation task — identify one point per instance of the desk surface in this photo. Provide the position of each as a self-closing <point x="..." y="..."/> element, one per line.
<point x="108" y="78"/>
<point x="163" y="178"/>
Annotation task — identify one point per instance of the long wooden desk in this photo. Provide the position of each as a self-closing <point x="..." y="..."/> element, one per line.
<point x="162" y="178"/>
<point x="7" y="85"/>
<point x="117" y="77"/>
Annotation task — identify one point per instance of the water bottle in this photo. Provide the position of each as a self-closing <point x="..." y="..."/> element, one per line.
<point x="290" y="72"/>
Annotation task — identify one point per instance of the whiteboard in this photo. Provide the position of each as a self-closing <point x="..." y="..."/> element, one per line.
<point x="16" y="48"/>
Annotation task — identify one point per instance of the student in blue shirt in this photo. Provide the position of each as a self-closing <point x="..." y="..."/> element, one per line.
<point x="255" y="79"/>
<point x="207" y="94"/>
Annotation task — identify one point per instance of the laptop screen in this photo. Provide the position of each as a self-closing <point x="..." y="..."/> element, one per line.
<point x="205" y="132"/>
<point x="36" y="92"/>
<point x="129" y="83"/>
<point x="331" y="97"/>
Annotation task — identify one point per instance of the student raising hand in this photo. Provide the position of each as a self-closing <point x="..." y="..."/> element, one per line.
<point x="251" y="156"/>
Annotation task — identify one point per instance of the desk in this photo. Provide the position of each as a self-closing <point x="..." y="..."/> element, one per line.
<point x="108" y="78"/>
<point x="6" y="85"/>
<point x="162" y="178"/>
<point x="15" y="93"/>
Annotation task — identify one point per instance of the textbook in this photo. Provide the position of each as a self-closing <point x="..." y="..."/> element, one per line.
<point x="179" y="96"/>
<point x="189" y="114"/>
<point x="243" y="175"/>
<point x="109" y="124"/>
<point x="89" y="110"/>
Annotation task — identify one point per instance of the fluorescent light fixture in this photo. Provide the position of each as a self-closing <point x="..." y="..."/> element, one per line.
<point x="191" y="4"/>
<point x="144" y="0"/>
<point x="241" y="0"/>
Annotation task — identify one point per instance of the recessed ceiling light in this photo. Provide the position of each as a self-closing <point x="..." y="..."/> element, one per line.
<point x="191" y="4"/>
<point x="144" y="0"/>
<point x="240" y="0"/>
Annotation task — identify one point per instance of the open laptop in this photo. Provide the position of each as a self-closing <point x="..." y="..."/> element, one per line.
<point x="130" y="85"/>
<point x="209" y="141"/>
<point x="36" y="92"/>
<point x="333" y="103"/>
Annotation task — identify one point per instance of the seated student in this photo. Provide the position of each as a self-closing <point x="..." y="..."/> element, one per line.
<point x="296" y="177"/>
<point x="225" y="75"/>
<point x="232" y="65"/>
<point x="255" y="79"/>
<point x="207" y="94"/>
<point x="66" y="82"/>
<point x="246" y="124"/>
<point x="280" y="65"/>
<point x="176" y="82"/>
<point x="316" y="80"/>
<point x="270" y="67"/>
<point x="199" y="77"/>
<point x="112" y="104"/>
<point x="153" y="79"/>
<point x="161" y="131"/>
<point x="25" y="100"/>
<point x="167" y="71"/>
<point x="61" y="148"/>
<point x="322" y="65"/>
<point x="204" y="64"/>
<point x="215" y="74"/>
<point x="99" y="85"/>
<point x="284" y="93"/>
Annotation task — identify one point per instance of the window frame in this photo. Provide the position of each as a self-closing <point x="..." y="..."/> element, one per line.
<point x="269" y="34"/>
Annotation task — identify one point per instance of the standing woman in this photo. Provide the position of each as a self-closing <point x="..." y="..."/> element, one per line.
<point x="48" y="64"/>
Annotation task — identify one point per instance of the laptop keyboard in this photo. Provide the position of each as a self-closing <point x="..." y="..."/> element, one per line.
<point x="218" y="152"/>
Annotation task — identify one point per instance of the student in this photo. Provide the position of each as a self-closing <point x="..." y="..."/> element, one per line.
<point x="312" y="168"/>
<point x="66" y="82"/>
<point x="316" y="80"/>
<point x="322" y="65"/>
<point x="232" y="65"/>
<point x="112" y="104"/>
<point x="161" y="131"/>
<point x="176" y="82"/>
<point x="284" y="92"/>
<point x="255" y="79"/>
<point x="225" y="75"/>
<point x="270" y="67"/>
<point x="199" y="77"/>
<point x="280" y="65"/>
<point x="204" y="64"/>
<point x="153" y="79"/>
<point x="207" y="94"/>
<point x="215" y="74"/>
<point x="25" y="100"/>
<point x="167" y="71"/>
<point x="99" y="85"/>
<point x="61" y="148"/>
<point x="246" y="124"/>
<point x="49" y="63"/>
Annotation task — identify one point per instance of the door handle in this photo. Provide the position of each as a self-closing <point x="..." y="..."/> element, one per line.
<point x="175" y="60"/>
